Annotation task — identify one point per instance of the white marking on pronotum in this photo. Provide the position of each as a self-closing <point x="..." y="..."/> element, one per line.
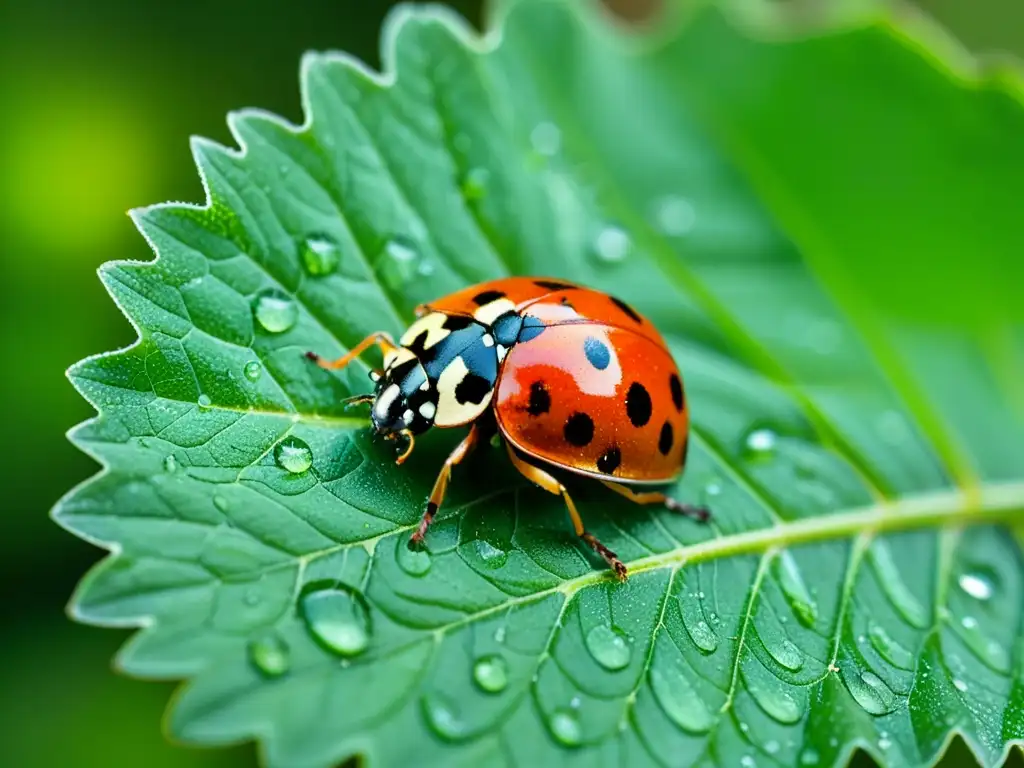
<point x="427" y="410"/>
<point x="384" y="401"/>
<point x="433" y="324"/>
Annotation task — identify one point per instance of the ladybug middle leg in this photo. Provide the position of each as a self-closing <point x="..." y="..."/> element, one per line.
<point x="461" y="451"/>
<point x="542" y="479"/>
<point x="651" y="497"/>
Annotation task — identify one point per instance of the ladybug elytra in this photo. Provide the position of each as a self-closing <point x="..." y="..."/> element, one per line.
<point x="573" y="379"/>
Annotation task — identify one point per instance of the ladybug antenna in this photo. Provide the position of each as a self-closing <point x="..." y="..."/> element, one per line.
<point x="409" y="443"/>
<point x="352" y="402"/>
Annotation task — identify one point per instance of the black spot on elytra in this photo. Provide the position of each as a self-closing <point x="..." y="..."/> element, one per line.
<point x="677" y="391"/>
<point x="609" y="460"/>
<point x="487" y="297"/>
<point x="553" y="285"/>
<point x="472" y="389"/>
<point x="638" y="404"/>
<point x="627" y="309"/>
<point x="532" y="328"/>
<point x="456" y="322"/>
<point x="665" y="439"/>
<point x="540" y="400"/>
<point x="597" y="352"/>
<point x="579" y="429"/>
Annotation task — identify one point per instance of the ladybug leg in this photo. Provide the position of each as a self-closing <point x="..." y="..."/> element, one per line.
<point x="541" y="478"/>
<point x="381" y="339"/>
<point x="461" y="451"/>
<point x="651" y="497"/>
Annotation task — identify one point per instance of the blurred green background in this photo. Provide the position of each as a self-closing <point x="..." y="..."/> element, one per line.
<point x="98" y="101"/>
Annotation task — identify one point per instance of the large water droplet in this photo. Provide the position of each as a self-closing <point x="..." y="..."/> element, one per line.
<point x="320" y="256"/>
<point x="275" y="310"/>
<point x="776" y="703"/>
<point x="795" y="590"/>
<point x="783" y="651"/>
<point x="976" y="584"/>
<point x="677" y="698"/>
<point x="474" y="185"/>
<point x="490" y="555"/>
<point x="293" y="455"/>
<point x="443" y="716"/>
<point x="612" y="244"/>
<point x="491" y="673"/>
<point x="869" y="690"/>
<point x="700" y="631"/>
<point x="415" y="562"/>
<point x="609" y="647"/>
<point x="888" y="648"/>
<point x="338" y="619"/>
<point x="399" y="264"/>
<point x="760" y="444"/>
<point x="895" y="588"/>
<point x="565" y="727"/>
<point x="546" y="139"/>
<point x="253" y="370"/>
<point x="674" y="215"/>
<point x="270" y="655"/>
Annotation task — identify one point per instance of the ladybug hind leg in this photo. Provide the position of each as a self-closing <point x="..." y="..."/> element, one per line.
<point x="381" y="339"/>
<point x="652" y="497"/>
<point x="461" y="451"/>
<point x="544" y="480"/>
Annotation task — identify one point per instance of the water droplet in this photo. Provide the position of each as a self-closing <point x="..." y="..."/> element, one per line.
<point x="776" y="703"/>
<point x="338" y="619"/>
<point x="270" y="655"/>
<point x="969" y="622"/>
<point x="609" y="647"/>
<point x="869" y="690"/>
<point x="700" y="631"/>
<point x="795" y="590"/>
<point x="977" y="585"/>
<point x="884" y="743"/>
<point x="783" y="651"/>
<point x="275" y="310"/>
<point x="204" y="402"/>
<point x="677" y="698"/>
<point x="895" y="588"/>
<point x="565" y="727"/>
<point x="491" y="556"/>
<point x="960" y="685"/>
<point x="612" y="244"/>
<point x="415" y="562"/>
<point x="712" y="489"/>
<point x="674" y="215"/>
<point x="442" y="715"/>
<point x="170" y="463"/>
<point x="252" y="597"/>
<point x="474" y="185"/>
<point x="400" y="263"/>
<point x="425" y="268"/>
<point x="748" y="762"/>
<point x="491" y="674"/>
<point x="771" y="747"/>
<point x="760" y="443"/>
<point x="889" y="649"/>
<point x="320" y="256"/>
<point x="220" y="503"/>
<point x="253" y="369"/>
<point x="546" y="139"/>
<point x="809" y="757"/>
<point x="499" y="634"/>
<point x="293" y="455"/>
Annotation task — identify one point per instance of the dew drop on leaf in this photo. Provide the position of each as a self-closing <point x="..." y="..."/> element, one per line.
<point x="612" y="244"/>
<point x="399" y="264"/>
<point x="869" y="690"/>
<point x="443" y="716"/>
<point x="474" y="185"/>
<point x="795" y="590"/>
<point x="320" y="256"/>
<point x="220" y="503"/>
<point x="546" y="139"/>
<point x="253" y="370"/>
<point x="204" y="402"/>
<point x="338" y="619"/>
<point x="809" y="757"/>
<point x="270" y="655"/>
<point x="275" y="310"/>
<point x="170" y="463"/>
<point x="565" y="727"/>
<point x="977" y="585"/>
<point x="679" y="701"/>
<point x="293" y="455"/>
<point x="888" y="648"/>
<point x="772" y="746"/>
<point x="499" y="634"/>
<point x="491" y="674"/>
<point x="760" y="443"/>
<point x="415" y="562"/>
<point x="747" y="761"/>
<point x="674" y="216"/>
<point x="783" y="651"/>
<point x="490" y="555"/>
<point x="609" y="648"/>
<point x="960" y="685"/>
<point x="776" y="703"/>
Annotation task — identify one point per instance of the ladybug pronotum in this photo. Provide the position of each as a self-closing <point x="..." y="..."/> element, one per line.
<point x="571" y="378"/>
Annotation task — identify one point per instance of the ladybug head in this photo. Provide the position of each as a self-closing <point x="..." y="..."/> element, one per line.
<point x="404" y="402"/>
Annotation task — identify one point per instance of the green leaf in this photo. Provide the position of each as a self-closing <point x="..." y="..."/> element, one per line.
<point x="826" y="229"/>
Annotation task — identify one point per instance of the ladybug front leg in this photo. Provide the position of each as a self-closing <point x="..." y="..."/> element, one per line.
<point x="541" y="478"/>
<point x="461" y="451"/>
<point x="381" y="339"/>
<point x="651" y="497"/>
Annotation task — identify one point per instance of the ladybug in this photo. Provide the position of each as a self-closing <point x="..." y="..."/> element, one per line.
<point x="573" y="379"/>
